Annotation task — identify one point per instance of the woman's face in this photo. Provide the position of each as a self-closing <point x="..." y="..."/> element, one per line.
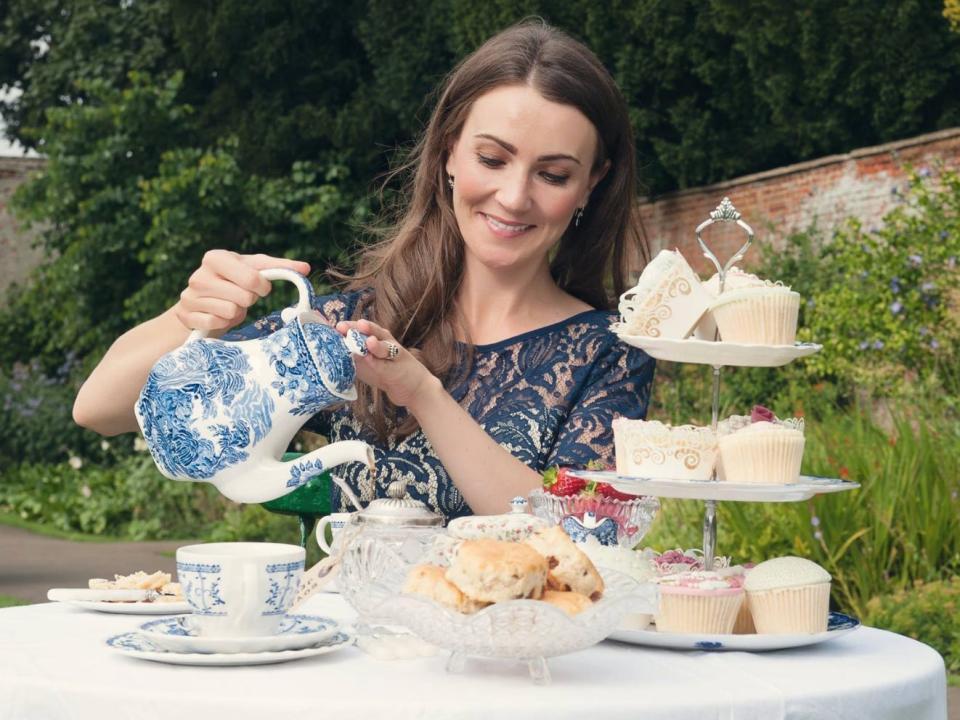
<point x="522" y="167"/>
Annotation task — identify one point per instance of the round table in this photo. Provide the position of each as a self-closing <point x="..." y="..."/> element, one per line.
<point x="54" y="664"/>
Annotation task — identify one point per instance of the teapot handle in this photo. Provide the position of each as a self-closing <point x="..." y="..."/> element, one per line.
<point x="304" y="301"/>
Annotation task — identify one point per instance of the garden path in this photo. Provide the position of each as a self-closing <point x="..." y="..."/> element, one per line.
<point x="30" y="564"/>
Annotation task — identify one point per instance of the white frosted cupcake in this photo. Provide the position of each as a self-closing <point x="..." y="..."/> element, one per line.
<point x="760" y="449"/>
<point x="651" y="449"/>
<point x="735" y="280"/>
<point x="757" y="315"/>
<point x="667" y="300"/>
<point x="699" y="602"/>
<point x="789" y="595"/>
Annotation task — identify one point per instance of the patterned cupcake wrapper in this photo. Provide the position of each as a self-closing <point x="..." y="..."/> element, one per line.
<point x="744" y="622"/>
<point x="766" y="319"/>
<point x="708" y="614"/>
<point x="772" y="458"/>
<point x="794" y="610"/>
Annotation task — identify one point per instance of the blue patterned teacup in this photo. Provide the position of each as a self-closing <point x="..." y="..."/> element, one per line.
<point x="239" y="589"/>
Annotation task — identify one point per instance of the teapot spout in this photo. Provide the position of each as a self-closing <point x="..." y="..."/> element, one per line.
<point x="275" y="478"/>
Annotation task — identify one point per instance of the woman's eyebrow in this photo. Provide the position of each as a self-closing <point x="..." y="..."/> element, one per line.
<point x="513" y="150"/>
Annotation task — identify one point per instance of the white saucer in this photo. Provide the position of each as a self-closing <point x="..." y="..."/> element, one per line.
<point x="706" y="352"/>
<point x="135" y="645"/>
<point x="133" y="608"/>
<point x="837" y="624"/>
<point x="178" y="634"/>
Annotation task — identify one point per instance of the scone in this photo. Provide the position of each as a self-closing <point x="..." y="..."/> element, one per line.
<point x="571" y="603"/>
<point x="492" y="571"/>
<point x="429" y="581"/>
<point x="569" y="567"/>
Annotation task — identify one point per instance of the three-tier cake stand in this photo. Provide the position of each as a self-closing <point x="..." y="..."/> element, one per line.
<point x="719" y="354"/>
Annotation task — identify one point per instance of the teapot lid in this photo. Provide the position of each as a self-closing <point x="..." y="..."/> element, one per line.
<point x="398" y="509"/>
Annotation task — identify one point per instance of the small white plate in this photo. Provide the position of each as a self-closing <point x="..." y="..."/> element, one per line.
<point x="805" y="488"/>
<point x="837" y="624"/>
<point x="178" y="634"/>
<point x="717" y="354"/>
<point x="133" y="608"/>
<point x="135" y="645"/>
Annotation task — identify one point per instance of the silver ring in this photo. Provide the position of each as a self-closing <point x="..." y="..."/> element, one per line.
<point x="392" y="350"/>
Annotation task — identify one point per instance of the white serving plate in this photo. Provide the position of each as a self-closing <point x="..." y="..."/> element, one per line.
<point x="838" y="624"/>
<point x="135" y="645"/>
<point x="806" y="487"/>
<point x="717" y="354"/>
<point x="133" y="608"/>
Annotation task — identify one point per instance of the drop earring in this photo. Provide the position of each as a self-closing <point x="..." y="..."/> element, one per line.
<point x="577" y="217"/>
<point x="450" y="181"/>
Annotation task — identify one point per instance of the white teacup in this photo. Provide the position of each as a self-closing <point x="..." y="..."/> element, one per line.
<point x="336" y="522"/>
<point x="239" y="589"/>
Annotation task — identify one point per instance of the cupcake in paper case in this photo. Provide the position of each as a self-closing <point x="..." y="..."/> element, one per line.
<point x="667" y="300"/>
<point x="760" y="448"/>
<point x="788" y="595"/>
<point x="735" y="280"/>
<point x="651" y="449"/>
<point x="699" y="602"/>
<point x="757" y="315"/>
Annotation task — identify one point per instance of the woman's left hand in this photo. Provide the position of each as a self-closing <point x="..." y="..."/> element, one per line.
<point x="403" y="377"/>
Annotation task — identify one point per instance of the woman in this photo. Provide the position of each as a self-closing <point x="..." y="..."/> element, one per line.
<point x="490" y="355"/>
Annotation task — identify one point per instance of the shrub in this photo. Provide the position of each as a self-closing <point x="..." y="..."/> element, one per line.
<point x="927" y="611"/>
<point x="129" y="499"/>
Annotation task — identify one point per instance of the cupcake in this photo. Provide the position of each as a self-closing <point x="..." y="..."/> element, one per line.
<point x="699" y="602"/>
<point x="760" y="448"/>
<point x="735" y="280"/>
<point x="667" y="300"/>
<point x="651" y="449"/>
<point x="788" y="595"/>
<point x="757" y="315"/>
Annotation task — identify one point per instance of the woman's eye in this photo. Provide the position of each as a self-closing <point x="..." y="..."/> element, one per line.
<point x="554" y="179"/>
<point x="490" y="162"/>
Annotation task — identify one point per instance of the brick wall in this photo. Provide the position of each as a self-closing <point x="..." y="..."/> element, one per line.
<point x="17" y="256"/>
<point x="776" y="202"/>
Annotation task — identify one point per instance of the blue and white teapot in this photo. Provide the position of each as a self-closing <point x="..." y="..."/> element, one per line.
<point x="225" y="412"/>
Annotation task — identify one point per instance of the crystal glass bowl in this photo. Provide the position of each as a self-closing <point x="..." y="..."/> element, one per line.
<point x="633" y="517"/>
<point x="373" y="574"/>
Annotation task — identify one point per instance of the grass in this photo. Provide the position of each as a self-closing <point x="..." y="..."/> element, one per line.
<point x="10" y="601"/>
<point x="12" y="520"/>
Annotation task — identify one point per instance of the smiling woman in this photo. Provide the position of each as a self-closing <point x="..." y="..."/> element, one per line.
<point x="487" y="300"/>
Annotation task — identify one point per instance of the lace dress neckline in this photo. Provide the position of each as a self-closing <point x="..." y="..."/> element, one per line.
<point x="536" y="332"/>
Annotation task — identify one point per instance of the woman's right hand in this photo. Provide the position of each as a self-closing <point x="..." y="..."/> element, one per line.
<point x="224" y="286"/>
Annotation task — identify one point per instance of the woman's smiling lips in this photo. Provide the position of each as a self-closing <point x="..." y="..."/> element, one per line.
<point x="503" y="228"/>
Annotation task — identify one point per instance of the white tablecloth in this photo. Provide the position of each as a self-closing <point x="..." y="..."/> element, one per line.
<point x="54" y="664"/>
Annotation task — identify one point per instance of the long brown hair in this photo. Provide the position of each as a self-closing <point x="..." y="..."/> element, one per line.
<point x="416" y="267"/>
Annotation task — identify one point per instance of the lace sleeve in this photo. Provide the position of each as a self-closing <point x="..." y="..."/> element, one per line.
<point x="618" y="386"/>
<point x="334" y="308"/>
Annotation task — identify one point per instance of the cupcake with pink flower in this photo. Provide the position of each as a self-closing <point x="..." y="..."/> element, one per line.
<point x="760" y="448"/>
<point x="699" y="601"/>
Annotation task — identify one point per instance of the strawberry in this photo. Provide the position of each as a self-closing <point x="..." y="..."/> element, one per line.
<point x="608" y="491"/>
<point x="557" y="482"/>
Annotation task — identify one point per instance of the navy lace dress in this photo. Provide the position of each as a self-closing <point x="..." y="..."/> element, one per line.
<point x="548" y="396"/>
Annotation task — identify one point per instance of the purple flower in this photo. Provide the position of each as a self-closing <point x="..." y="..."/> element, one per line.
<point x="896" y="307"/>
<point x="924" y="172"/>
<point x="944" y="234"/>
<point x="864" y="345"/>
<point x="815" y="521"/>
<point x="934" y="344"/>
<point x="895" y="285"/>
<point x="818" y="535"/>
<point x="924" y="331"/>
<point x="928" y="286"/>
<point x="878" y="344"/>
<point x="916" y="260"/>
<point x="894" y="190"/>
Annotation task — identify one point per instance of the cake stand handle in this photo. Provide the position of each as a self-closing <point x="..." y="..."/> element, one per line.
<point x="709" y="534"/>
<point x="725" y="212"/>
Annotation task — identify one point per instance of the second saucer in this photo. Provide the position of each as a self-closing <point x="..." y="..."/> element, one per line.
<point x="178" y="634"/>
